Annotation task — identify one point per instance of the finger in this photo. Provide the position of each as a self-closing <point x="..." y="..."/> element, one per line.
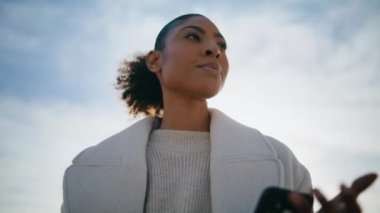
<point x="344" y="202"/>
<point x="299" y="203"/>
<point x="363" y="182"/>
<point x="348" y="193"/>
<point x="320" y="197"/>
<point x="348" y="197"/>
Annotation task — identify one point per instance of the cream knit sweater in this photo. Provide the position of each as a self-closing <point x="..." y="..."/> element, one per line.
<point x="178" y="172"/>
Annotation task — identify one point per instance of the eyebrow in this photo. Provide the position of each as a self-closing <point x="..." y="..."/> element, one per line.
<point x="201" y="30"/>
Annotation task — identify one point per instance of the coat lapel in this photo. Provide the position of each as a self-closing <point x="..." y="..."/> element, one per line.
<point x="111" y="176"/>
<point x="242" y="164"/>
<point x="135" y="163"/>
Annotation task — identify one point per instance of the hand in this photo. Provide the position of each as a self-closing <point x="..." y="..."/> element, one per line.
<point x="344" y="202"/>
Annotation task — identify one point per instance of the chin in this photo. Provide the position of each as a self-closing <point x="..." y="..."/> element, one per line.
<point x="210" y="93"/>
<point x="204" y="91"/>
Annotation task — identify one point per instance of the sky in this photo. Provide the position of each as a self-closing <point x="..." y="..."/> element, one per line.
<point x="304" y="72"/>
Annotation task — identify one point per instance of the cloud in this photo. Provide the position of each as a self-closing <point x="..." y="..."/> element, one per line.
<point x="311" y="87"/>
<point x="301" y="75"/>
<point x="305" y="73"/>
<point x="39" y="141"/>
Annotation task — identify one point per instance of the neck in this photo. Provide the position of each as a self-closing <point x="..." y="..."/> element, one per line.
<point x="191" y="115"/>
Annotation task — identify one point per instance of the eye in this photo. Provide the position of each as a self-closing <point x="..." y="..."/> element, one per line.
<point x="222" y="45"/>
<point x="193" y="36"/>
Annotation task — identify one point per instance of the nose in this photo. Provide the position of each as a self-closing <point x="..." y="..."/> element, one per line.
<point x="212" y="50"/>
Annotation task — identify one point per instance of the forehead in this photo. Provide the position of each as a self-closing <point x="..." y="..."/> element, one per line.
<point x="202" y="22"/>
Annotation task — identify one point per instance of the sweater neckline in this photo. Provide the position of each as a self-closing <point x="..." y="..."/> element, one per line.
<point x="179" y="140"/>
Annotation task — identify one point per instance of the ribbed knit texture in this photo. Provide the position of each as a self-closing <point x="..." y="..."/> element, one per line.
<point x="178" y="172"/>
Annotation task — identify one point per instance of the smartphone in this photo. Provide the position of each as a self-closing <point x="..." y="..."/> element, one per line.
<point x="276" y="200"/>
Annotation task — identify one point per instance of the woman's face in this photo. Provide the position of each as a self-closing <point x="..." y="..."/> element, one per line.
<point x="194" y="61"/>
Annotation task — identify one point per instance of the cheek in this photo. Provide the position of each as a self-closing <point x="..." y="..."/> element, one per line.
<point x="178" y="52"/>
<point x="225" y="65"/>
<point x="172" y="61"/>
<point x="171" y="71"/>
<point x="178" y="59"/>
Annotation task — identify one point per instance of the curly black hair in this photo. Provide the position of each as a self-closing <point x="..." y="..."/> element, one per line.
<point x="141" y="88"/>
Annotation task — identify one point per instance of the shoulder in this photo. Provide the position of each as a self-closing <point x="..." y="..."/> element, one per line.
<point x="236" y="139"/>
<point x="224" y="127"/>
<point x="245" y="139"/>
<point x="296" y="175"/>
<point x="113" y="149"/>
<point x="282" y="151"/>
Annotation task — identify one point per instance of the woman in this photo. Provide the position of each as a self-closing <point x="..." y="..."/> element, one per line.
<point x="184" y="156"/>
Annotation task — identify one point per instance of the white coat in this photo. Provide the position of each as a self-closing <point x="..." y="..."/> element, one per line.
<point x="112" y="176"/>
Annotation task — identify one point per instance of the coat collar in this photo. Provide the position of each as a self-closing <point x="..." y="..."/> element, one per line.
<point x="242" y="161"/>
<point x="230" y="139"/>
<point x="242" y="164"/>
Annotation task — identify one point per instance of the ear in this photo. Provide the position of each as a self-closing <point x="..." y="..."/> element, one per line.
<point x="154" y="61"/>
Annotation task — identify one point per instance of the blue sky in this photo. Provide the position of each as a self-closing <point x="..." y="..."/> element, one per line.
<point x="305" y="72"/>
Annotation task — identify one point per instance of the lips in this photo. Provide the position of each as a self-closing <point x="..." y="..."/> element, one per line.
<point x="211" y="67"/>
